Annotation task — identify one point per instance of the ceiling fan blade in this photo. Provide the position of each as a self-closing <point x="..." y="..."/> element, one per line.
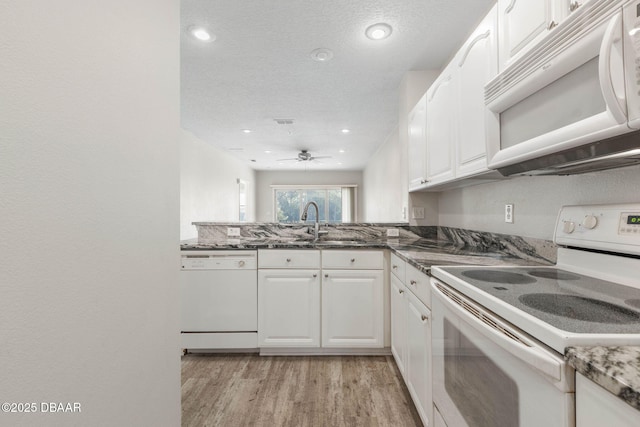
<point x="283" y="160"/>
<point x="320" y="157"/>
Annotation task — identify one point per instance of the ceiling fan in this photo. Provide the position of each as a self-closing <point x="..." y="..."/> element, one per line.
<point x="305" y="156"/>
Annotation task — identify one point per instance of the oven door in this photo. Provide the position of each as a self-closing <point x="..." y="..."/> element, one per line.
<point x="486" y="373"/>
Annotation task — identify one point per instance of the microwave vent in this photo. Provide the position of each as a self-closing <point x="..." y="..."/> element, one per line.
<point x="579" y="24"/>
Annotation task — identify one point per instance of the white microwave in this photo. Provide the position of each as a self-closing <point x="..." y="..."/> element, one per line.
<point x="574" y="99"/>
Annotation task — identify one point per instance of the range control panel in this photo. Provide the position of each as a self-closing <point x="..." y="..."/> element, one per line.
<point x="614" y="228"/>
<point x="629" y="223"/>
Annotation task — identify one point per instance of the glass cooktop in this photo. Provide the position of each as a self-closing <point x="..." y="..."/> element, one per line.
<point x="567" y="301"/>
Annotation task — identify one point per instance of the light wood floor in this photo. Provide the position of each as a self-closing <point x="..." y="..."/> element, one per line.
<point x="252" y="390"/>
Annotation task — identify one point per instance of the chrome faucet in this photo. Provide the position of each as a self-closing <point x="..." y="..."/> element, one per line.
<point x="316" y="225"/>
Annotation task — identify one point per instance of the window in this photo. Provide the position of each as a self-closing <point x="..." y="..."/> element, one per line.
<point x="242" y="197"/>
<point x="335" y="203"/>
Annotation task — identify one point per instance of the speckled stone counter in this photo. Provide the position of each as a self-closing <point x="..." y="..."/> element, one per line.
<point x="617" y="369"/>
<point x="421" y="247"/>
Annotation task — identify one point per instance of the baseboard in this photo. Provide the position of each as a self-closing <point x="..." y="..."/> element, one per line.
<point x="386" y="351"/>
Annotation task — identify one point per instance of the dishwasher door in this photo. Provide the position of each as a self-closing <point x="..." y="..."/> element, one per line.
<point x="219" y="300"/>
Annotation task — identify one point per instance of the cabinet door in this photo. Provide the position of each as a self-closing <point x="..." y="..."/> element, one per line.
<point x="398" y="323"/>
<point x="288" y="308"/>
<point x="441" y="105"/>
<point x="596" y="406"/>
<point x="476" y="63"/>
<point x="418" y="372"/>
<point x="352" y="308"/>
<point x="418" y="144"/>
<point x="522" y="24"/>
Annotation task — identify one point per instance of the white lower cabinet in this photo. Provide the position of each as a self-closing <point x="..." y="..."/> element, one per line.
<point x="418" y="366"/>
<point x="596" y="406"/>
<point x="352" y="308"/>
<point x="399" y="307"/>
<point x="438" y="421"/>
<point x="312" y="299"/>
<point x="411" y="334"/>
<point x="289" y="308"/>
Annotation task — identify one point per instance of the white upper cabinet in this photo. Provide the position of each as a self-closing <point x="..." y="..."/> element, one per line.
<point x="523" y="23"/>
<point x="417" y="144"/>
<point x="441" y="127"/>
<point x="476" y="64"/>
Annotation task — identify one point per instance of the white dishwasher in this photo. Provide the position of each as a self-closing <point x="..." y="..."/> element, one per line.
<point x="219" y="291"/>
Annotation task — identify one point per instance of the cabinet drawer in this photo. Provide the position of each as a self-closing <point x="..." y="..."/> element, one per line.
<point x="288" y="258"/>
<point x="418" y="283"/>
<point x="398" y="267"/>
<point x="359" y="260"/>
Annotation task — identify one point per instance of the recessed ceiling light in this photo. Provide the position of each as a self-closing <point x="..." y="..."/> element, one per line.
<point x="378" y="31"/>
<point x="345" y="131"/>
<point x="267" y="151"/>
<point x="201" y="33"/>
<point x="321" y="54"/>
<point x="340" y="151"/>
<point x="339" y="163"/>
<point x="246" y="130"/>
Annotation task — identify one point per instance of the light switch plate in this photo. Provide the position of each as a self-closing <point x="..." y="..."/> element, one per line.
<point x="233" y="232"/>
<point x="417" y="213"/>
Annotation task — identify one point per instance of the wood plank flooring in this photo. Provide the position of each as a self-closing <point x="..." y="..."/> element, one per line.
<point x="251" y="390"/>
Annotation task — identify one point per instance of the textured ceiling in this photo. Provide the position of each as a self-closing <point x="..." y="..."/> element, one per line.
<point x="259" y="69"/>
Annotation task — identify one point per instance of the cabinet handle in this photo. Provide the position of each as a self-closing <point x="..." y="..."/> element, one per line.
<point x="288" y="259"/>
<point x="353" y="260"/>
<point x="574" y="5"/>
<point x="552" y="25"/>
<point x="326" y="275"/>
<point x="240" y="263"/>
<point x="400" y="291"/>
<point x="395" y="267"/>
<point x="424" y="318"/>
<point x="413" y="282"/>
<point x="315" y="275"/>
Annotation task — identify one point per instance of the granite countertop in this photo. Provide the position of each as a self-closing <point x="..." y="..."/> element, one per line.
<point x="421" y="253"/>
<point x="617" y="369"/>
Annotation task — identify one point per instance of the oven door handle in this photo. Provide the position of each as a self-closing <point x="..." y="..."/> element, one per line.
<point x="500" y="334"/>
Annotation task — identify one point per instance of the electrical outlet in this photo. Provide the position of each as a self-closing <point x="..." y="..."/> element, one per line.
<point x="393" y="232"/>
<point x="417" y="213"/>
<point x="508" y="213"/>
<point x="233" y="232"/>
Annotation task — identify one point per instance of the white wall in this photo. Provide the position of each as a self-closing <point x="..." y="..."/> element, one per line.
<point x="264" y="192"/>
<point x="385" y="179"/>
<point x="384" y="182"/>
<point x="89" y="119"/>
<point x="209" y="185"/>
<point x="536" y="200"/>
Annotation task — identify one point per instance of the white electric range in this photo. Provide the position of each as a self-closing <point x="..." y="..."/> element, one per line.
<point x="499" y="333"/>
